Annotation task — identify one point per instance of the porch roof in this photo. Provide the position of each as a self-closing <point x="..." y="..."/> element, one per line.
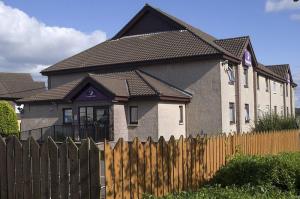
<point x="121" y="86"/>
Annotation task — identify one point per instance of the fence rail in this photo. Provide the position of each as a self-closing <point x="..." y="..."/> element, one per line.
<point x="135" y="168"/>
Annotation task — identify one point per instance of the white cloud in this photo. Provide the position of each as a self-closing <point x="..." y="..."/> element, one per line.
<point x="279" y="5"/>
<point x="28" y="45"/>
<point x="295" y="17"/>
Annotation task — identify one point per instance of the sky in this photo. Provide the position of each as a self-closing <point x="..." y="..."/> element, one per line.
<point x="35" y="34"/>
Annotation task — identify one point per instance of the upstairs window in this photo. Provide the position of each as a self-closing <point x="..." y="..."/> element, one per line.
<point x="287" y="90"/>
<point x="67" y="116"/>
<point x="231" y="113"/>
<point x="180" y="114"/>
<point x="231" y="75"/>
<point x="281" y="89"/>
<point x="274" y="87"/>
<point x="267" y="85"/>
<point x="247" y="113"/>
<point x="246" y="77"/>
<point x="133" y="114"/>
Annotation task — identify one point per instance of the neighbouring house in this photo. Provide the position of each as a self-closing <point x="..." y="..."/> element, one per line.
<point x="15" y="86"/>
<point x="158" y="76"/>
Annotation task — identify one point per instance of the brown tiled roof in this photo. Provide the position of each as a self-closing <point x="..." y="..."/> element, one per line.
<point x="122" y="84"/>
<point x="234" y="45"/>
<point x="268" y="72"/>
<point x="187" y="42"/>
<point x="138" y="48"/>
<point x="18" y="85"/>
<point x="282" y="70"/>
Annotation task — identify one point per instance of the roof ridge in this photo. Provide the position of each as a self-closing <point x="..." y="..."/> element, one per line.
<point x="152" y="87"/>
<point x="166" y="83"/>
<point x="232" y="38"/>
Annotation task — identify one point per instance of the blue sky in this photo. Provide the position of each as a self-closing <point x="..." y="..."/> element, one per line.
<point x="71" y="26"/>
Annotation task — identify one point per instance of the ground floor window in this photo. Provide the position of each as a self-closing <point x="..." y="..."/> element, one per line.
<point x="247" y="113"/>
<point x="67" y="116"/>
<point x="133" y="114"/>
<point x="231" y="113"/>
<point x="287" y="111"/>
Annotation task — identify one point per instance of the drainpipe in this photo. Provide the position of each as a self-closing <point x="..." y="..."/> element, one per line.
<point x="237" y="99"/>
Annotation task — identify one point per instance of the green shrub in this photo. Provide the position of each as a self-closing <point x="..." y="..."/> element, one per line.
<point x="8" y="119"/>
<point x="272" y="122"/>
<point x="281" y="171"/>
<point x="244" y="192"/>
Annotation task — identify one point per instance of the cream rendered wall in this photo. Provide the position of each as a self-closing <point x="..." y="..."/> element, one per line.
<point x="120" y="122"/>
<point x="202" y="80"/>
<point x="293" y="101"/>
<point x="147" y="120"/>
<point x="288" y="100"/>
<point x="277" y="98"/>
<point x="228" y="95"/>
<point x="263" y="97"/>
<point x="168" y="120"/>
<point x="246" y="97"/>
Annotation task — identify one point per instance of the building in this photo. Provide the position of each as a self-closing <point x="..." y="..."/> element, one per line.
<point x="15" y="86"/>
<point x="159" y="76"/>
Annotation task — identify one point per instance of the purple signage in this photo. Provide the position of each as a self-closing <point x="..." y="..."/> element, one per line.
<point x="247" y="58"/>
<point x="91" y="94"/>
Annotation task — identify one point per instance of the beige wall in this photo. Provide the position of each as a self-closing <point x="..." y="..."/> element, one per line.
<point x="228" y="95"/>
<point x="202" y="80"/>
<point x="263" y="97"/>
<point x="147" y="120"/>
<point x="120" y="122"/>
<point x="168" y="120"/>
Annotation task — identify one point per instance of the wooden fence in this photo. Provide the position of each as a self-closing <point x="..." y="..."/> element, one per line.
<point x="135" y="168"/>
<point x="29" y="170"/>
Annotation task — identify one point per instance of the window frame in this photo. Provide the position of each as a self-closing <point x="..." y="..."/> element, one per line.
<point x="130" y="115"/>
<point x="64" y="114"/>
<point x="247" y="113"/>
<point x="246" y="77"/>
<point x="231" y="74"/>
<point x="267" y="84"/>
<point x="181" y="117"/>
<point x="232" y="111"/>
<point x="287" y="90"/>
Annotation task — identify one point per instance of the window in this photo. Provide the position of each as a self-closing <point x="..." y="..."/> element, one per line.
<point x="67" y="116"/>
<point x="281" y="89"/>
<point x="287" y="90"/>
<point x="246" y="77"/>
<point x="267" y="85"/>
<point x="231" y="75"/>
<point x="247" y="114"/>
<point x="257" y="82"/>
<point x="287" y="111"/>
<point x="133" y="114"/>
<point x="274" y="87"/>
<point x="231" y="113"/>
<point x="180" y="114"/>
<point x="275" y="109"/>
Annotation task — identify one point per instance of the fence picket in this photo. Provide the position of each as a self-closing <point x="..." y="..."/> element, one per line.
<point x="74" y="169"/>
<point x="19" y="168"/>
<point x="126" y="171"/>
<point x="84" y="168"/>
<point x="10" y="167"/>
<point x="3" y="174"/>
<point x="27" y="170"/>
<point x="94" y="170"/>
<point x="54" y="169"/>
<point x="109" y="184"/>
<point x="118" y="169"/>
<point x="35" y="156"/>
<point x="45" y="192"/>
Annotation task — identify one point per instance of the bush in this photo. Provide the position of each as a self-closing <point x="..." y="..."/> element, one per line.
<point x="244" y="192"/>
<point x="272" y="122"/>
<point x="281" y="171"/>
<point x="8" y="119"/>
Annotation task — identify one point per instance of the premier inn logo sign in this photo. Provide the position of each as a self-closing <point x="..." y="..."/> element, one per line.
<point x="90" y="93"/>
<point x="247" y="58"/>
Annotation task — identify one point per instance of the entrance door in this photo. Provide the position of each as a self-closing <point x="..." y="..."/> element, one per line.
<point x="94" y="122"/>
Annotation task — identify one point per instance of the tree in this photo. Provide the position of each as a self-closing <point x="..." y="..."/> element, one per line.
<point x="8" y="119"/>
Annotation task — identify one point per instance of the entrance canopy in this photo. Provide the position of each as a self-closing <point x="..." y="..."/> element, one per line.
<point x="118" y="86"/>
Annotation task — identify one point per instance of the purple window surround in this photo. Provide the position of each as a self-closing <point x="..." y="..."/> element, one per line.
<point x="91" y="94"/>
<point x="247" y="58"/>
